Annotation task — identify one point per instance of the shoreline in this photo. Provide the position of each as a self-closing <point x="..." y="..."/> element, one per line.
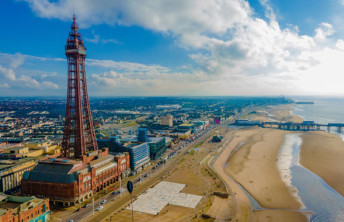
<point x="253" y="163"/>
<point x="274" y="199"/>
<point x="286" y="160"/>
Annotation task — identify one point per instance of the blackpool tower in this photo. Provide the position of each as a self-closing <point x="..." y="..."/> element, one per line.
<point x="78" y="135"/>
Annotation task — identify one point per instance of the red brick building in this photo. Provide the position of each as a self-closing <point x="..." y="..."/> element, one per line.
<point x="69" y="181"/>
<point x="23" y="209"/>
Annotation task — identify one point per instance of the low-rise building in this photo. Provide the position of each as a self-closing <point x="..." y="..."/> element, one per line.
<point x="11" y="172"/>
<point x="139" y="152"/>
<point x="23" y="209"/>
<point x="14" y="161"/>
<point x="157" y="146"/>
<point x="166" y="120"/>
<point x="71" y="181"/>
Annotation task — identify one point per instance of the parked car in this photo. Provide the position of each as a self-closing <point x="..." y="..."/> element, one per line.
<point x="78" y="209"/>
<point x="86" y="205"/>
<point x="99" y="208"/>
<point x="104" y="201"/>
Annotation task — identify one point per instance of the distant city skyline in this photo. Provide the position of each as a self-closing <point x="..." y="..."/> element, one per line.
<point x="175" y="48"/>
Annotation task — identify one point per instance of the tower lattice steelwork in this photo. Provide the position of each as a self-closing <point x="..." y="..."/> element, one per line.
<point x="78" y="135"/>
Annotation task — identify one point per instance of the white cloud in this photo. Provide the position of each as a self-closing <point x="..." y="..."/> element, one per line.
<point x="7" y="73"/>
<point x="127" y="66"/>
<point x="114" y="41"/>
<point x="235" y="50"/>
<point x="4" y="85"/>
<point x="95" y="38"/>
<point x="114" y="83"/>
<point x="323" y="31"/>
<point x="340" y="44"/>
<point x="10" y="68"/>
<point x="49" y="85"/>
<point x="30" y="82"/>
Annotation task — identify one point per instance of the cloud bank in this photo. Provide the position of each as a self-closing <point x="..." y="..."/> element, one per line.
<point x="236" y="52"/>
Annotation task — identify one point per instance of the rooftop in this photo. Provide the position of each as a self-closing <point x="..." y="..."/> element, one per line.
<point x="17" y="203"/>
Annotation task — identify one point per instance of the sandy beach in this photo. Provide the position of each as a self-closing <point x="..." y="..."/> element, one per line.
<point x="323" y="154"/>
<point x="252" y="164"/>
<point x="254" y="167"/>
<point x="275" y="113"/>
<point x="250" y="160"/>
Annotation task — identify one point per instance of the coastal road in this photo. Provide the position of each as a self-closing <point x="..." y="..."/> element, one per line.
<point x="181" y="149"/>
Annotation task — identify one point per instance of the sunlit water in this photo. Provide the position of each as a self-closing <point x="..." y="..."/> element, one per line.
<point x="324" y="111"/>
<point x="317" y="196"/>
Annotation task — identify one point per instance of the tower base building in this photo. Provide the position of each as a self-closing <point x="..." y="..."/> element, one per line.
<point x="71" y="181"/>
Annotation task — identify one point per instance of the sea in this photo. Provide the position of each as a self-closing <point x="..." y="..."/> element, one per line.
<point x="324" y="110"/>
<point x="316" y="195"/>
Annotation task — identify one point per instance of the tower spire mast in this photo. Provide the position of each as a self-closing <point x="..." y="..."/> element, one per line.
<point x="78" y="135"/>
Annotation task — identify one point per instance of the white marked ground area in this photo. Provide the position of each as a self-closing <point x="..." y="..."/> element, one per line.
<point x="156" y="198"/>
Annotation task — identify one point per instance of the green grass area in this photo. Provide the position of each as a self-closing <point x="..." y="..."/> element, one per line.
<point x="192" y="152"/>
<point x="105" y="133"/>
<point x="131" y="123"/>
<point x="199" y="144"/>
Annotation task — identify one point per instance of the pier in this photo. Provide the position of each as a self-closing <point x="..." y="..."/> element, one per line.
<point x="304" y="126"/>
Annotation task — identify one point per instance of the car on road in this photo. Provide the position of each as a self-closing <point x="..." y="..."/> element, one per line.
<point x="114" y="192"/>
<point x="121" y="190"/>
<point x="104" y="201"/>
<point x="99" y="208"/>
<point x="146" y="175"/>
<point x="78" y="209"/>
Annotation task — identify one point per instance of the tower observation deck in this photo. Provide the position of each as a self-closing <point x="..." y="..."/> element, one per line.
<point x="78" y="135"/>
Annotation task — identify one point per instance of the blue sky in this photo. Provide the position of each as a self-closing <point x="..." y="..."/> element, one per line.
<point x="179" y="47"/>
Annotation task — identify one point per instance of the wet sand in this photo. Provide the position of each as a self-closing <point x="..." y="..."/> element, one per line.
<point x="278" y="216"/>
<point x="323" y="154"/>
<point x="254" y="167"/>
